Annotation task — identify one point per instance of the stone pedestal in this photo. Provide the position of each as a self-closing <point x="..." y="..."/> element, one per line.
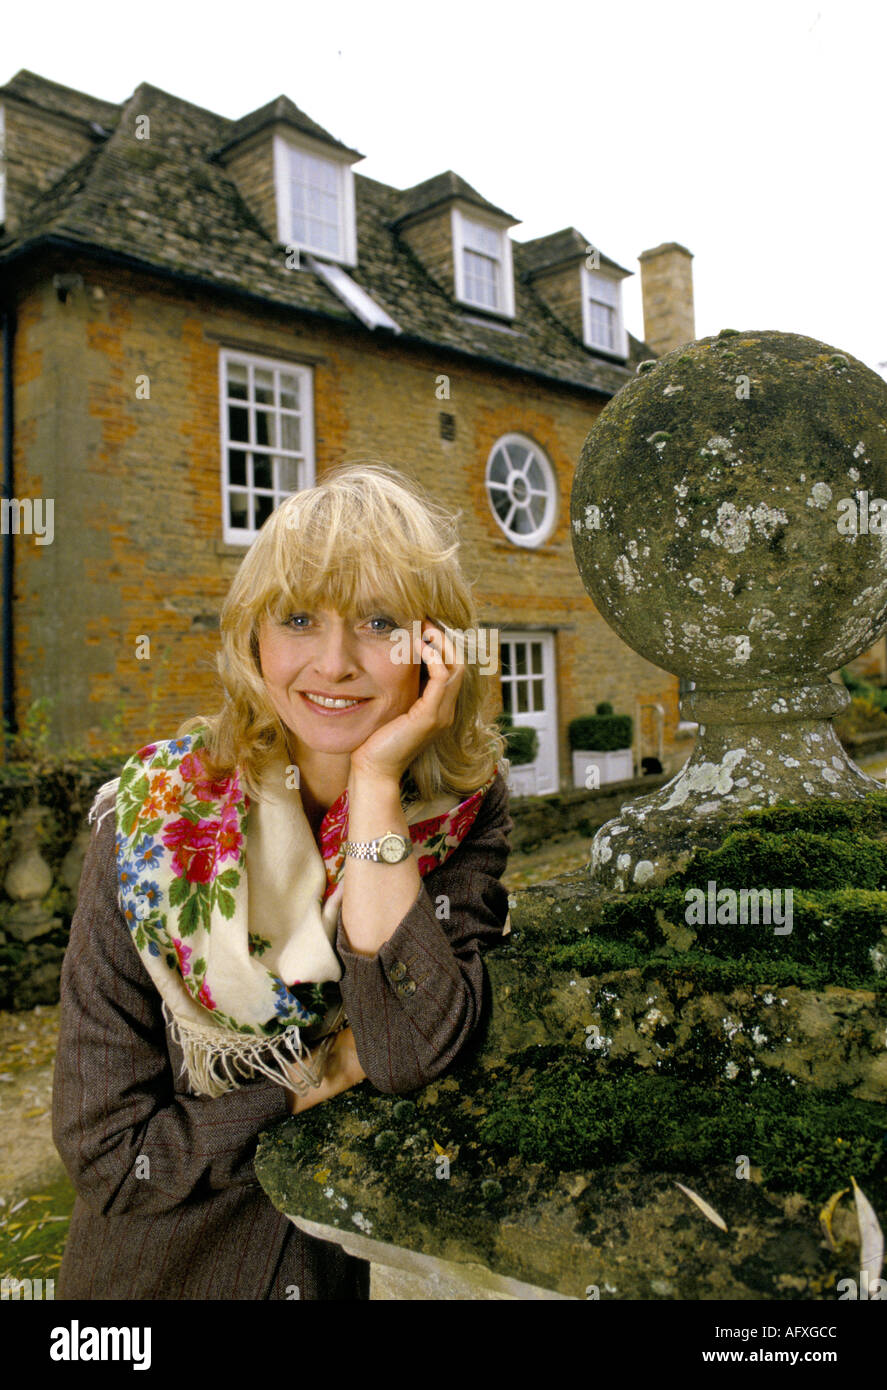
<point x="711" y="514"/>
<point x="28" y="880"/>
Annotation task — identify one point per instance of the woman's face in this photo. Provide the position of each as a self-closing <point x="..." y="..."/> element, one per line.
<point x="324" y="654"/>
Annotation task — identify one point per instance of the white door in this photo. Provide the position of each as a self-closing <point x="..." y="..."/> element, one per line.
<point x="529" y="696"/>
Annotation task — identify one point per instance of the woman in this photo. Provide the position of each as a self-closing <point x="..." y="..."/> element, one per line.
<point x="285" y="899"/>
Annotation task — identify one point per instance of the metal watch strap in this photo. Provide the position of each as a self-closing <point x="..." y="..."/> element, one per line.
<point x="369" y="849"/>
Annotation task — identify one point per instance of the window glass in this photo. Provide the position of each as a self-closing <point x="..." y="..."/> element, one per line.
<point x="521" y="490"/>
<point x="268" y="433"/>
<point x="315" y="202"/>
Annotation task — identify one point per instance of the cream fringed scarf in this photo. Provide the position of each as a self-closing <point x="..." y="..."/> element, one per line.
<point x="243" y="974"/>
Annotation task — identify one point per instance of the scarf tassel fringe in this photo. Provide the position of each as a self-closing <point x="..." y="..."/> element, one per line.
<point x="221" y="1064"/>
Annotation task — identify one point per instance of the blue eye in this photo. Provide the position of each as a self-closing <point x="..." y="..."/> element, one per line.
<point x="296" y="618"/>
<point x="388" y="621"/>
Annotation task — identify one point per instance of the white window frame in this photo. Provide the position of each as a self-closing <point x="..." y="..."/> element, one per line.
<point x="544" y="721"/>
<point x="589" y="279"/>
<point x="237" y="535"/>
<point x="347" y="250"/>
<point x="532" y="539"/>
<point x="458" y="220"/>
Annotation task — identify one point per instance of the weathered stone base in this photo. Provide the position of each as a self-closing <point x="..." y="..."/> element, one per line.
<point x="628" y="1052"/>
<point x="403" y="1273"/>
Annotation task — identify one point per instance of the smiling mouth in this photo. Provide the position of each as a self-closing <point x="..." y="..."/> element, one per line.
<point x="328" y="702"/>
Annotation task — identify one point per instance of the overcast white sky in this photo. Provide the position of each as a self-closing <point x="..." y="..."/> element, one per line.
<point x="752" y="132"/>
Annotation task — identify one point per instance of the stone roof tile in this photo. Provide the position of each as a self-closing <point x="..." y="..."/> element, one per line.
<point x="440" y="189"/>
<point x="282" y="110"/>
<point x="63" y="101"/>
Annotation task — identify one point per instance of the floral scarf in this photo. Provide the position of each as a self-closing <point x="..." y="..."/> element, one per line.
<point x="245" y="974"/>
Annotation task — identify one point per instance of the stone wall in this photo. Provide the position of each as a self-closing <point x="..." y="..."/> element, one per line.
<point x="43" y="840"/>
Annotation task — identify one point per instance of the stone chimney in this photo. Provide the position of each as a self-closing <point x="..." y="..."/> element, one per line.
<point x="667" y="288"/>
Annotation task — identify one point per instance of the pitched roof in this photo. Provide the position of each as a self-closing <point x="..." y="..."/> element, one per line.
<point x="167" y="205"/>
<point x="62" y="101"/>
<point x="440" y="189"/>
<point x="285" y="112"/>
<point x="545" y="252"/>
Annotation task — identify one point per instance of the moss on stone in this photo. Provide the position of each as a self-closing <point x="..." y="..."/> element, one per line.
<point x="802" y="1140"/>
<point x="833" y="856"/>
<point x="660" y="1054"/>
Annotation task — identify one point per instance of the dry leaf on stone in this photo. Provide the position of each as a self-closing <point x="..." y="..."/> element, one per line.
<point x="827" y="1215"/>
<point x="871" y="1237"/>
<point x="703" y="1206"/>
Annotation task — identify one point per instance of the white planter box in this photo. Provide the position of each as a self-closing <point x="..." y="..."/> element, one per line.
<point x="522" y="779"/>
<point x="616" y="766"/>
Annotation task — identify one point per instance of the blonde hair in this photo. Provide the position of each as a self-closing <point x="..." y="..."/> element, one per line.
<point x="364" y="532"/>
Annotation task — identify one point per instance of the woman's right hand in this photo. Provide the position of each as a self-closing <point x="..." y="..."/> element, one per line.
<point x="342" y="1071"/>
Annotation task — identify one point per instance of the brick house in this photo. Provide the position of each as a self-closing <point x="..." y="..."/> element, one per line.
<point x="201" y="315"/>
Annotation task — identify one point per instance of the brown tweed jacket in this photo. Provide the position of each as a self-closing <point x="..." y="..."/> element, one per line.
<point x="168" y="1204"/>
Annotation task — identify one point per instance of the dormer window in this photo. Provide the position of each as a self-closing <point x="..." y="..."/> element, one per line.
<point x="315" y="201"/>
<point x="602" y="326"/>
<point x="482" y="258"/>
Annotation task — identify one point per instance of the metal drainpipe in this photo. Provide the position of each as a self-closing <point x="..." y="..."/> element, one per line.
<point x="8" y="484"/>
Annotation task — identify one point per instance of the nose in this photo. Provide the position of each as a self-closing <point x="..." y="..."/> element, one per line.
<point x="335" y="656"/>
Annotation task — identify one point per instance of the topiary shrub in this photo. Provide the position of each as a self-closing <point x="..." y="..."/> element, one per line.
<point x="602" y="732"/>
<point x="521" y="745"/>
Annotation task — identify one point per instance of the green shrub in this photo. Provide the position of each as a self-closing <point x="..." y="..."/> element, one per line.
<point x="601" y="732"/>
<point x="521" y="745"/>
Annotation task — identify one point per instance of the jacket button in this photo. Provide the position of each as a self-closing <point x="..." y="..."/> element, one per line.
<point x="407" y="988"/>
<point x="398" y="970"/>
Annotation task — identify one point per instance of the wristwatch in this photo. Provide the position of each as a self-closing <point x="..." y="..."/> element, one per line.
<point x="390" y="848"/>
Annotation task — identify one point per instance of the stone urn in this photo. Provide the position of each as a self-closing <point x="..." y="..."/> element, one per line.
<point x="713" y="515"/>
<point x="28" y="880"/>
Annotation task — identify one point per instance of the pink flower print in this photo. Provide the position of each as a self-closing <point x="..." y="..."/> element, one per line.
<point x="427" y="862"/>
<point x="192" y="770"/>
<point x="147" y="752"/>
<point x="463" y="817"/>
<point x="422" y="830"/>
<point x="183" y="954"/>
<point x="334" y="827"/>
<point x="194" y="847"/>
<point x="230" y="838"/>
<point x="198" y="848"/>
<point x="205" y="997"/>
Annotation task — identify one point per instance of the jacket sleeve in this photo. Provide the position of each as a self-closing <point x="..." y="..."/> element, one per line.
<point x="115" y="1097"/>
<point x="415" y="1003"/>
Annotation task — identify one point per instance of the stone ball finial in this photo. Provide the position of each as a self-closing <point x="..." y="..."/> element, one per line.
<point x="717" y="477"/>
<point x="725" y="523"/>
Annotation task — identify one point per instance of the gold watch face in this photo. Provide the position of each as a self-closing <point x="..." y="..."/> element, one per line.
<point x="391" y="849"/>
